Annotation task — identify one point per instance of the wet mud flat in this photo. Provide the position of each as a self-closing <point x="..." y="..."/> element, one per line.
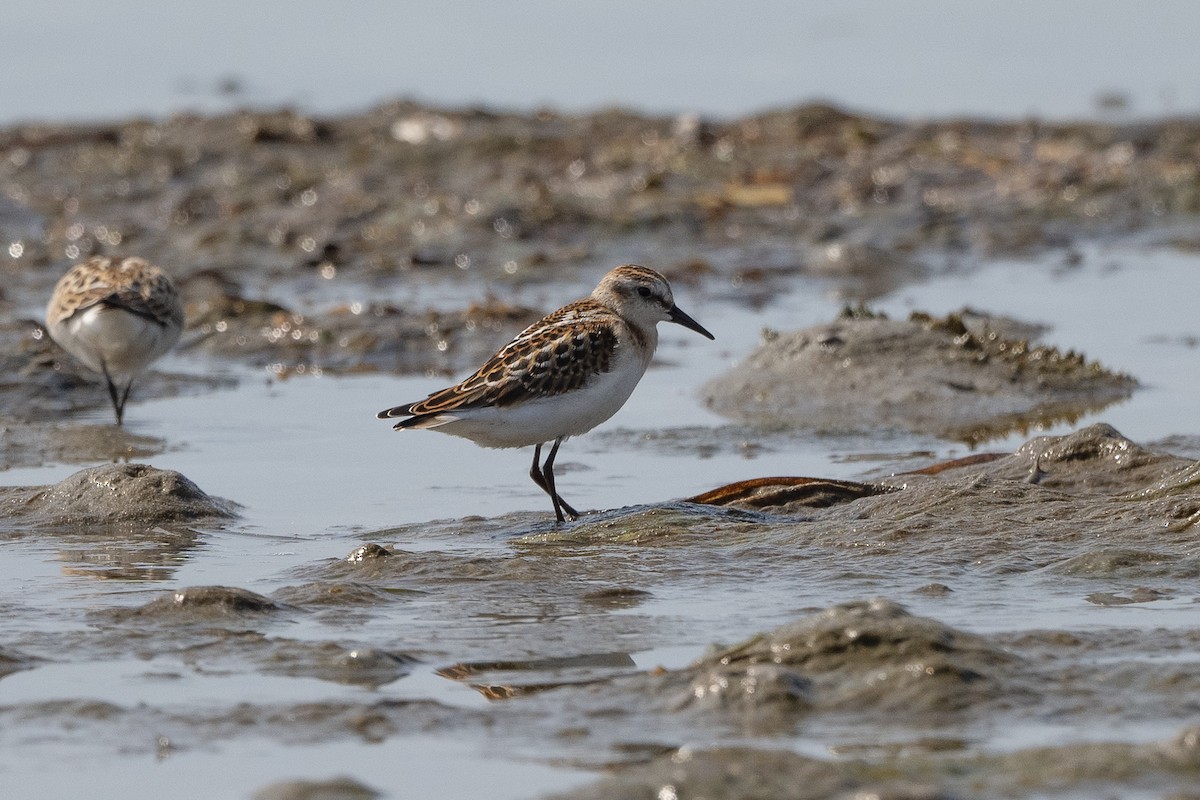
<point x="550" y="623"/>
<point x="958" y="630"/>
<point x="410" y="239"/>
<point x="310" y="244"/>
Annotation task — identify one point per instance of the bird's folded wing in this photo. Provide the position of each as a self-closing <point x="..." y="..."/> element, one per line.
<point x="559" y="354"/>
<point x="143" y="304"/>
<point x="148" y="295"/>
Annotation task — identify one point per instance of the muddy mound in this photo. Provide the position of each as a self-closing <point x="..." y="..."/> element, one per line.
<point x="924" y="375"/>
<point x="116" y="493"/>
<point x="862" y="655"/>
<point x="728" y="772"/>
<point x="205" y="602"/>
<point x="1160" y="769"/>
<point x="342" y="788"/>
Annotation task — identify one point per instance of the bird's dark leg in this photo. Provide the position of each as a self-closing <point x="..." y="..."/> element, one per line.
<point x="118" y="398"/>
<point x="535" y="472"/>
<point x="544" y="478"/>
<point x="124" y="397"/>
<point x="560" y="505"/>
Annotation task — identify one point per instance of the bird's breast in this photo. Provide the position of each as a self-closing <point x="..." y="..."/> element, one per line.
<point x="113" y="339"/>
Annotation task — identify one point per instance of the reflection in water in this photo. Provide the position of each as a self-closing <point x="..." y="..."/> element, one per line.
<point x="118" y="553"/>
<point x="538" y="674"/>
<point x="34" y="444"/>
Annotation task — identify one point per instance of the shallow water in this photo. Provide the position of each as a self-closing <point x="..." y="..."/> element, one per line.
<point x="306" y="455"/>
<point x="317" y="475"/>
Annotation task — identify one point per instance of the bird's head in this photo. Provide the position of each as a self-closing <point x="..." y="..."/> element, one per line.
<point x="643" y="297"/>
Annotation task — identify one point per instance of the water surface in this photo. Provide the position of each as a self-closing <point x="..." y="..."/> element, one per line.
<point x="318" y="475"/>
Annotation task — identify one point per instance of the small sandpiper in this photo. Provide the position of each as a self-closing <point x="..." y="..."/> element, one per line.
<point x="116" y="316"/>
<point x="561" y="376"/>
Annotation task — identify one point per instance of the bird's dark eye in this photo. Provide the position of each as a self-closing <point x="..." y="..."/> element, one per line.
<point x="643" y="291"/>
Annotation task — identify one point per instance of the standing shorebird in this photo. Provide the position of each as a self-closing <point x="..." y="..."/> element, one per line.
<point x="116" y="316"/>
<point x="561" y="376"/>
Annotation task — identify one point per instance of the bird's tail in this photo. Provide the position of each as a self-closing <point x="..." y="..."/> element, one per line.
<point x="395" y="411"/>
<point x="412" y="420"/>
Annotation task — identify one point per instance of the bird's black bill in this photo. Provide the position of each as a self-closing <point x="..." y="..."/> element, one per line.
<point x="683" y="319"/>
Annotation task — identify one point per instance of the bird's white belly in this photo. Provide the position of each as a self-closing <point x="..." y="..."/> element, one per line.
<point x="545" y="419"/>
<point x="103" y="337"/>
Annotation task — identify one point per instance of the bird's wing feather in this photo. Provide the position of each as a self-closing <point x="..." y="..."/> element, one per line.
<point x="138" y="301"/>
<point x="132" y="285"/>
<point x="557" y="354"/>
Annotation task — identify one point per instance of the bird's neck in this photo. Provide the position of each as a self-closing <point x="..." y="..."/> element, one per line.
<point x="645" y="337"/>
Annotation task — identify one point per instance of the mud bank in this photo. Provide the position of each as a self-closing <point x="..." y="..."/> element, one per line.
<point x="402" y="187"/>
<point x="727" y="773"/>
<point x="550" y="624"/>
<point x="278" y="225"/>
